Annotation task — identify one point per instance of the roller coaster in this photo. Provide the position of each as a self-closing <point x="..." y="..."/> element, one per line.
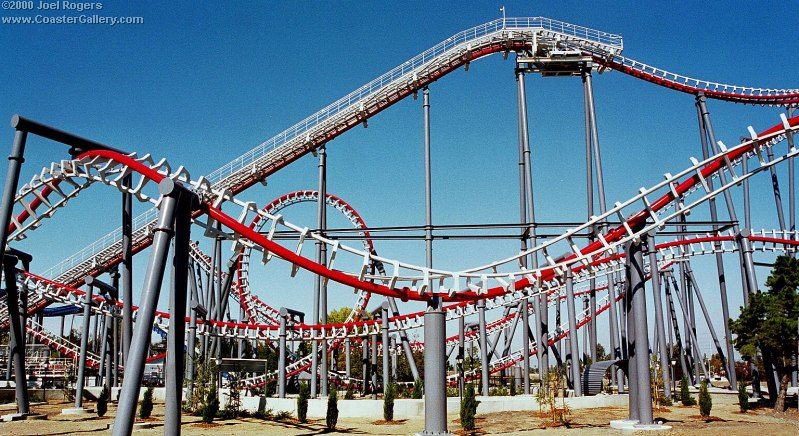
<point x="608" y="273"/>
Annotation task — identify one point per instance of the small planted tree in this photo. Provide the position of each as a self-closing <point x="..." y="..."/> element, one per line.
<point x="211" y="406"/>
<point x="418" y="389"/>
<point x="332" y="410"/>
<point x="468" y="408"/>
<point x="705" y="402"/>
<point x="302" y="402"/>
<point x="388" y="402"/>
<point x="743" y="397"/>
<point x="146" y="405"/>
<point x="349" y="394"/>
<point x="102" y="401"/>
<point x="685" y="395"/>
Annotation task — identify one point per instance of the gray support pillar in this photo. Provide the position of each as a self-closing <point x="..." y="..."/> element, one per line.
<point x="126" y="267"/>
<point x="103" y="352"/>
<point x="613" y="323"/>
<point x="461" y="354"/>
<point x="191" y="350"/>
<point x="675" y="324"/>
<point x="481" y="313"/>
<point x="373" y="364"/>
<point x="394" y="358"/>
<point x="574" y="347"/>
<point x="115" y="330"/>
<point x="524" y="181"/>
<point x="406" y="346"/>
<point x="281" y="361"/>
<point x="698" y="292"/>
<point x="660" y="330"/>
<point x="629" y="316"/>
<point x="640" y="350"/>
<point x="320" y="286"/>
<point x="691" y="333"/>
<point x="524" y="311"/>
<point x="175" y="361"/>
<point x="16" y="342"/>
<point x="134" y="367"/>
<point x="749" y="263"/>
<point x="722" y="277"/>
<point x="15" y="160"/>
<point x="365" y="364"/>
<point x="347" y="361"/>
<point x="435" y="330"/>
<point x="84" y="346"/>
<point x="386" y="346"/>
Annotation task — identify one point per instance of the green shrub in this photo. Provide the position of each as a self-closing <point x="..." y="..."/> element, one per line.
<point x="685" y="395"/>
<point x="146" y="405"/>
<point x="332" y="410"/>
<point x="302" y="402"/>
<point x="102" y="401"/>
<point x="468" y="408"/>
<point x="705" y="402"/>
<point x="743" y="397"/>
<point x="418" y="389"/>
<point x="263" y="414"/>
<point x="388" y="402"/>
<point x="283" y="415"/>
<point x="499" y="391"/>
<point x="349" y="394"/>
<point x="211" y="406"/>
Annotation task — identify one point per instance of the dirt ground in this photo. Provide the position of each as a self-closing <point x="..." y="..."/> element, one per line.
<point x="726" y="421"/>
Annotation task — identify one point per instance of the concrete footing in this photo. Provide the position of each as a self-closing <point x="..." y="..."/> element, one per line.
<point x="21" y="417"/>
<point x="633" y="425"/>
<point x="77" y="411"/>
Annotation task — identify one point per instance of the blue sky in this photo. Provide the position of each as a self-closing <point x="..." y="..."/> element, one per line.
<point x="203" y="82"/>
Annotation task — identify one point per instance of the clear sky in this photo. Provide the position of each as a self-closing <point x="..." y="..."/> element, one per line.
<point x="202" y="82"/>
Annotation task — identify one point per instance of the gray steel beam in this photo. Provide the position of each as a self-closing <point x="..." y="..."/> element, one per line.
<point x="694" y="343"/>
<point x="640" y="350"/>
<point x="386" y="346"/>
<point x="574" y="347"/>
<point x="191" y="352"/>
<point x="373" y="364"/>
<point x="660" y="331"/>
<point x="127" y="268"/>
<point x="281" y="362"/>
<point x="84" y="346"/>
<point x="481" y="308"/>
<point x="524" y="312"/>
<point x="365" y="365"/>
<point x="406" y="345"/>
<point x="134" y="368"/>
<point x="15" y="160"/>
<point x="435" y="330"/>
<point x="175" y="361"/>
<point x="16" y="342"/>
<point x="320" y="286"/>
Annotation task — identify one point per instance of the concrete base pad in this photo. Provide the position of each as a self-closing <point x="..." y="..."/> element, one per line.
<point x="77" y="411"/>
<point x="633" y="425"/>
<point x="21" y="416"/>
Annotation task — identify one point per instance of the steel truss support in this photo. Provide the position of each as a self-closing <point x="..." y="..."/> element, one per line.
<point x="84" y="346"/>
<point x="660" y="331"/>
<point x="435" y="330"/>
<point x="592" y="153"/>
<point x="484" y="358"/>
<point x="640" y="387"/>
<point x="320" y="286"/>
<point x="386" y="346"/>
<point x="706" y="136"/>
<point x="691" y="332"/>
<point x="16" y="333"/>
<point x="191" y="344"/>
<point x="574" y="347"/>
<point x="134" y="368"/>
<point x="281" y="361"/>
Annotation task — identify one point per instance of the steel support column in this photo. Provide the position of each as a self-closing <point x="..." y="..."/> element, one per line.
<point x="281" y="361"/>
<point x="191" y="343"/>
<point x="481" y="314"/>
<point x="134" y="367"/>
<point x="84" y="346"/>
<point x="640" y="350"/>
<point x="406" y="345"/>
<point x="574" y="347"/>
<point x="15" y="160"/>
<point x="319" y="350"/>
<point x="524" y="311"/>
<point x="174" y="370"/>
<point x="126" y="267"/>
<point x="386" y="346"/>
<point x="373" y="364"/>
<point x="660" y="331"/>
<point x="16" y="343"/>
<point x="435" y="330"/>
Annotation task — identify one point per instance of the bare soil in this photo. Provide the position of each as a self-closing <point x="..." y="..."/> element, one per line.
<point x="725" y="420"/>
